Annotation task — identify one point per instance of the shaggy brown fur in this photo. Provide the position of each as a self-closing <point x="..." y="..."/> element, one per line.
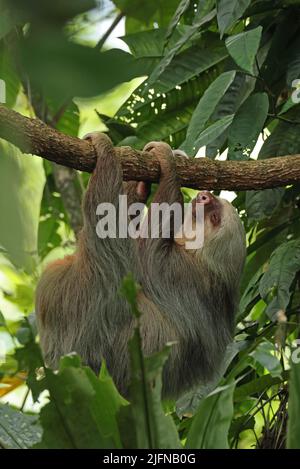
<point x="187" y="296"/>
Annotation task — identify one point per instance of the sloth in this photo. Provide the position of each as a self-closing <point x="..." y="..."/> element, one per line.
<point x="187" y="297"/>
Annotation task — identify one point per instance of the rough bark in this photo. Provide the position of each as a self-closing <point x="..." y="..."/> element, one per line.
<point x="35" y="137"/>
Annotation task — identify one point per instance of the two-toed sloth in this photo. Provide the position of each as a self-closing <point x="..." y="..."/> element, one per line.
<point x="187" y="296"/>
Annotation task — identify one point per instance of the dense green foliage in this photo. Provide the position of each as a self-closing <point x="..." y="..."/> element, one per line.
<point x="214" y="73"/>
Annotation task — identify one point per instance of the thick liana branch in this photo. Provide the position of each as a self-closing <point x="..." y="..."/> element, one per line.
<point x="32" y="136"/>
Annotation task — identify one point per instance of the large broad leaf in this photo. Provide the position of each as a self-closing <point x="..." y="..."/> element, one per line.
<point x="165" y="116"/>
<point x="213" y="131"/>
<point x="56" y="66"/>
<point x="228" y="11"/>
<point x="262" y="204"/>
<point x="203" y="8"/>
<point x="249" y="294"/>
<point x="236" y="93"/>
<point x="21" y="188"/>
<point x="173" y="92"/>
<point x="205" y="108"/>
<point x="186" y="65"/>
<point x="284" y="37"/>
<point x="189" y="64"/>
<point x="258" y="386"/>
<point x="247" y="125"/>
<point x="138" y="9"/>
<point x="7" y="20"/>
<point x="82" y="411"/>
<point x="182" y="6"/>
<point x="161" y="128"/>
<point x="29" y="356"/>
<point x="18" y="430"/>
<point x="293" y="67"/>
<point x="117" y="130"/>
<point x="67" y="121"/>
<point x="144" y="422"/>
<point x="150" y="43"/>
<point x="198" y="23"/>
<point x="56" y="11"/>
<point x="210" y="426"/>
<point x="9" y="76"/>
<point x="276" y="282"/>
<point x="243" y="47"/>
<point x="145" y="418"/>
<point x="264" y="354"/>
<point x="284" y="138"/>
<point x="293" y="433"/>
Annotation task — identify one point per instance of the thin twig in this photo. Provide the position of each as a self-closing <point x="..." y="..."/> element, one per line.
<point x="116" y="21"/>
<point x="283" y="119"/>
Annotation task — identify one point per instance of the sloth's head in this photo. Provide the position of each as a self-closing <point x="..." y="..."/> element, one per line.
<point x="219" y="216"/>
<point x="224" y="235"/>
<point x="223" y="241"/>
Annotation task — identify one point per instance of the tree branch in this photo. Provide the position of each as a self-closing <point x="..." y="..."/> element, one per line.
<point x="35" y="137"/>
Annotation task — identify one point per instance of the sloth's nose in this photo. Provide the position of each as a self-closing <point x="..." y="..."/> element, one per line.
<point x="205" y="197"/>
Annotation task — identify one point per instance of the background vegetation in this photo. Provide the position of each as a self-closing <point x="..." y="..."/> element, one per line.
<point x="215" y="76"/>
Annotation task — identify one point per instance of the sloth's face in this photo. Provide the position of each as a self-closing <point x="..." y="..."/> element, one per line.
<point x="219" y="214"/>
<point x="221" y="220"/>
<point x="213" y="207"/>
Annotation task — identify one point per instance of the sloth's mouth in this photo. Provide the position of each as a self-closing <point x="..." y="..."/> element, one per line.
<point x="212" y="207"/>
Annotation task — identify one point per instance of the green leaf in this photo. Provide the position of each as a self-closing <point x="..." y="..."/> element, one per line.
<point x="29" y="357"/>
<point x="243" y="47"/>
<point x="139" y="9"/>
<point x="161" y="128"/>
<point x="247" y="125"/>
<point x="48" y="238"/>
<point x="150" y="43"/>
<point x="167" y="110"/>
<point x="293" y="65"/>
<point x="21" y="188"/>
<point x="228" y="11"/>
<point x="117" y="130"/>
<point x="149" y="426"/>
<point x="213" y="131"/>
<point x="276" y="282"/>
<point x="9" y="75"/>
<point x="284" y="38"/>
<point x="182" y="7"/>
<point x="293" y="432"/>
<point x="236" y="93"/>
<point x="18" y="430"/>
<point x="240" y="424"/>
<point x="210" y="426"/>
<point x="129" y="290"/>
<point x="57" y="11"/>
<point x="262" y="204"/>
<point x="264" y="354"/>
<point x="2" y="320"/>
<point x="258" y="385"/>
<point x="188" y="64"/>
<point x="205" y="108"/>
<point x="82" y="411"/>
<point x="284" y="138"/>
<point x="55" y="66"/>
<point x="69" y="120"/>
<point x="287" y="106"/>
<point x="153" y="429"/>
<point x="7" y="21"/>
<point x="167" y="59"/>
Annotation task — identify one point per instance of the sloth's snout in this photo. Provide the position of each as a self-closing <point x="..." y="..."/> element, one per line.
<point x="205" y="198"/>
